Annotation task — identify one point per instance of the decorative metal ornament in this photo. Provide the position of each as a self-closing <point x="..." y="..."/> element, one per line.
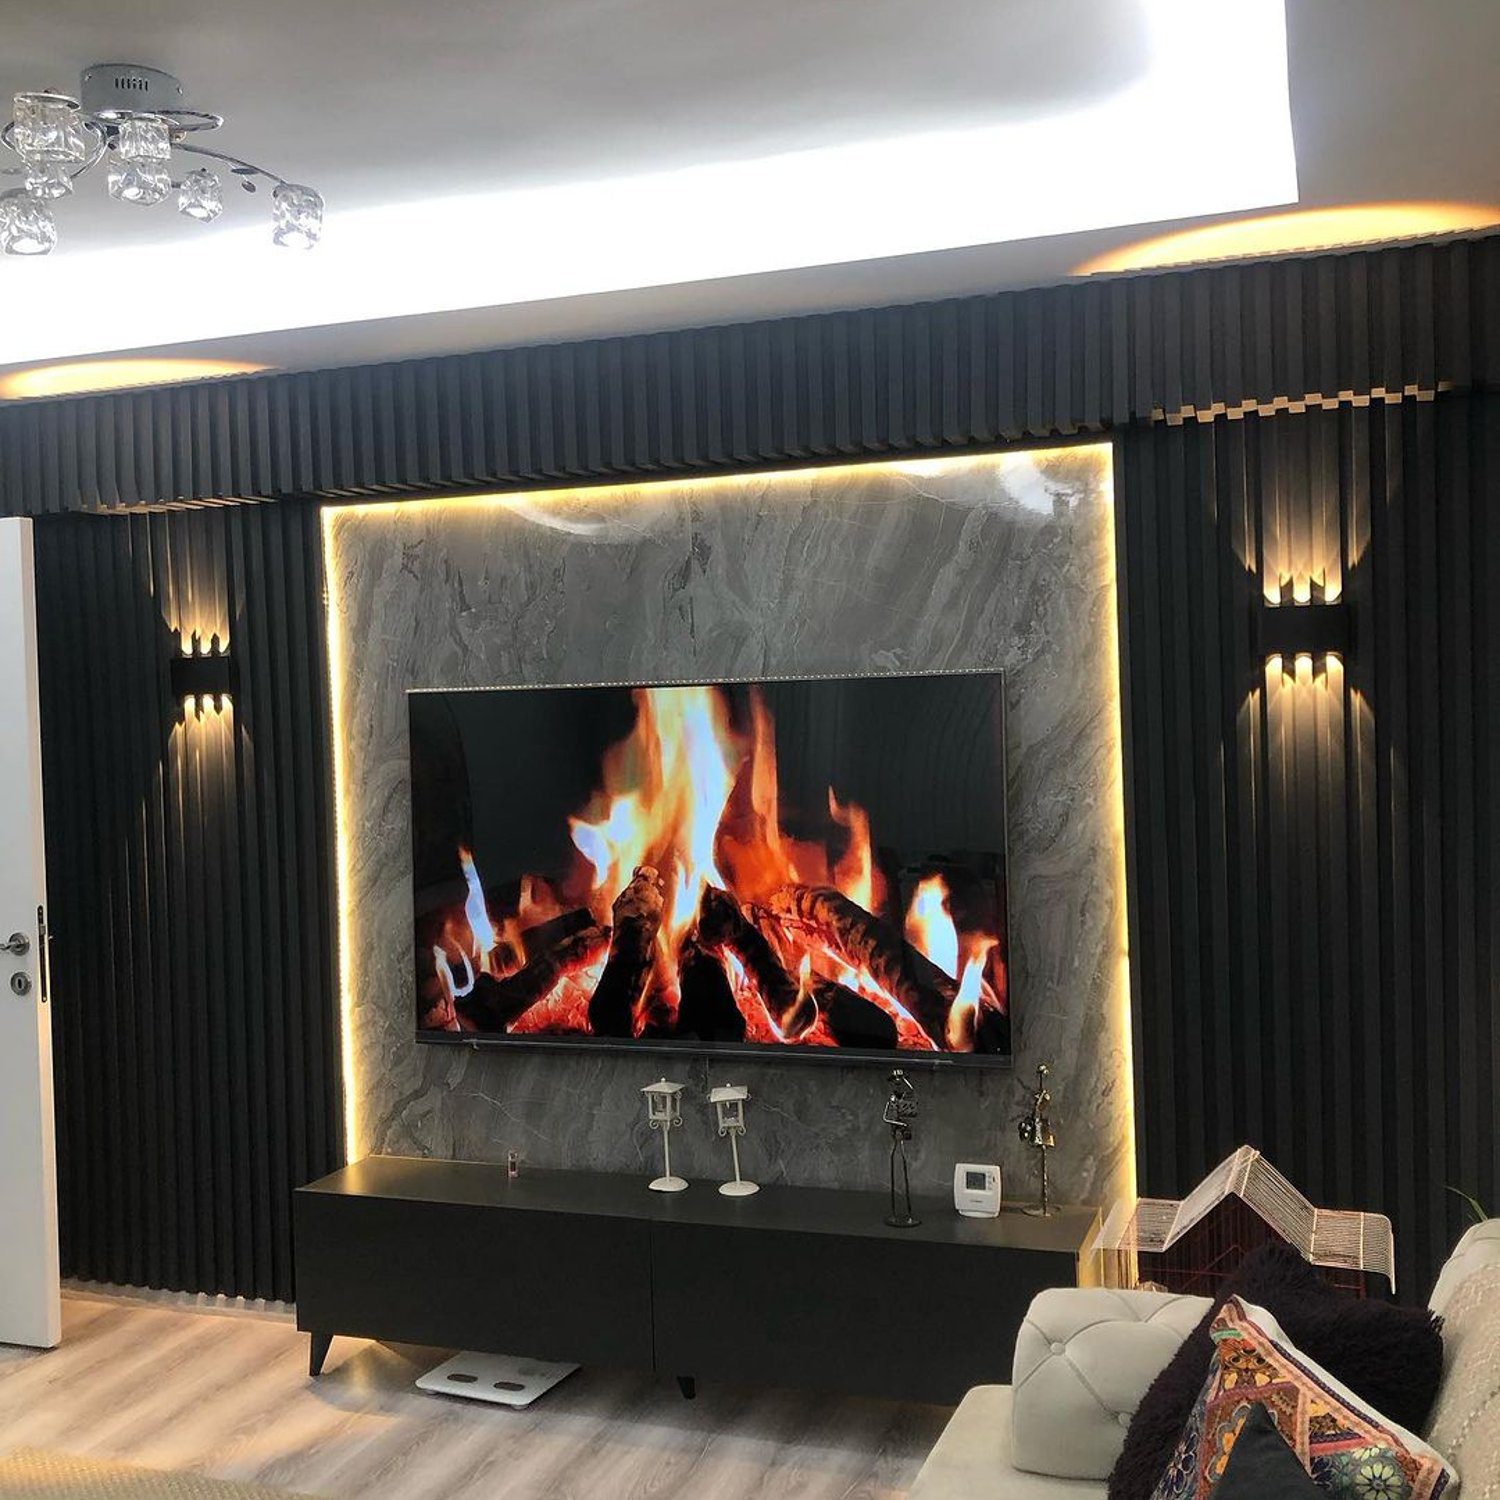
<point x="664" y="1113"/>
<point x="1035" y="1128"/>
<point x="900" y="1111"/>
<point x="729" y="1105"/>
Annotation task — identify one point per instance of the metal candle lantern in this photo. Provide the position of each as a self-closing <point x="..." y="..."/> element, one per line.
<point x="729" y="1104"/>
<point x="1035" y="1128"/>
<point x="900" y="1111"/>
<point x="664" y="1112"/>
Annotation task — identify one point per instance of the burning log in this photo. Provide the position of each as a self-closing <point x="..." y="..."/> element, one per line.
<point x="853" y="1020"/>
<point x="866" y="943"/>
<point x="707" y="1009"/>
<point x="493" y="1004"/>
<point x="554" y="930"/>
<point x="632" y="946"/>
<point x="722" y="924"/>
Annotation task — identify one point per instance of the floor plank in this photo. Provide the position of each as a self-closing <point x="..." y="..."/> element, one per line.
<point x="174" y="1387"/>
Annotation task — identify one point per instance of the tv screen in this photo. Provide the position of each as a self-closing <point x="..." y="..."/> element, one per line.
<point x="795" y="866"/>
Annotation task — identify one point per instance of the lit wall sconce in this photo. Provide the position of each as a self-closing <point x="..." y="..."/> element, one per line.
<point x="1302" y="622"/>
<point x="203" y="675"/>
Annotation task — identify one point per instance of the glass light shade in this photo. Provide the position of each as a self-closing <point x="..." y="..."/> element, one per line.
<point x="26" y="227"/>
<point x="48" y="128"/>
<point x="298" y="213"/>
<point x="143" y="138"/>
<point x="47" y="179"/>
<point x="138" y="182"/>
<point x="201" y="196"/>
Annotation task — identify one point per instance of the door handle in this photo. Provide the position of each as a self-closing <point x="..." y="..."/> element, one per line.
<point x="17" y="944"/>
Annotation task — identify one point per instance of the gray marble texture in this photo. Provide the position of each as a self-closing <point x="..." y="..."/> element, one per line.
<point x="977" y="562"/>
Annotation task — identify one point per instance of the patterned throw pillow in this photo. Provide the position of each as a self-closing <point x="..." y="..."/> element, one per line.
<point x="1352" y="1452"/>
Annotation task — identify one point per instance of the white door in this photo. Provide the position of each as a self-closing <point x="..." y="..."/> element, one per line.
<point x="30" y="1304"/>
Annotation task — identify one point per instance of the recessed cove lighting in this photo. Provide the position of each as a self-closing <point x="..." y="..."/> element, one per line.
<point x="113" y="375"/>
<point x="1295" y="230"/>
<point x="972" y="184"/>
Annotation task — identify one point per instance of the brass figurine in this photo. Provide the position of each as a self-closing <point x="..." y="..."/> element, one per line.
<point x="1036" y="1130"/>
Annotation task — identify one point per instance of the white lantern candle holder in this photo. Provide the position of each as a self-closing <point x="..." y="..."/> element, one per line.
<point x="729" y="1104"/>
<point x="664" y="1113"/>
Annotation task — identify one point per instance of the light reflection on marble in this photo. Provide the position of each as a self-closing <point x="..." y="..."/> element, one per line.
<point x="1002" y="561"/>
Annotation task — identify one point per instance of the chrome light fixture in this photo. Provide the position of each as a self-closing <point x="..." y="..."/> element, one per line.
<point x="132" y="118"/>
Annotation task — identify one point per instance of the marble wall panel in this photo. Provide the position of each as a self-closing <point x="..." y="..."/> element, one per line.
<point x="971" y="562"/>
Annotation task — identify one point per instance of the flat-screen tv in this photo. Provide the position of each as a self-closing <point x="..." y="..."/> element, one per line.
<point x="812" y="867"/>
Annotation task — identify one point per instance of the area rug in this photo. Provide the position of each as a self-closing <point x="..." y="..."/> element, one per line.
<point x="31" y="1474"/>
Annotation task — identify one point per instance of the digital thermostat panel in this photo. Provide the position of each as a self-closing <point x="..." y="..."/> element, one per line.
<point x="976" y="1189"/>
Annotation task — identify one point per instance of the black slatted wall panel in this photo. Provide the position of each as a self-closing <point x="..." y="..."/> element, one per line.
<point x="1055" y="360"/>
<point x="191" y="889"/>
<point x="1312" y="870"/>
<point x="1315" y="865"/>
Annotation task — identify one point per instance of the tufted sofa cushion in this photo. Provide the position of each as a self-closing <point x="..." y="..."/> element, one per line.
<point x="1466" y="1420"/>
<point x="1479" y="1247"/>
<point x="1083" y="1360"/>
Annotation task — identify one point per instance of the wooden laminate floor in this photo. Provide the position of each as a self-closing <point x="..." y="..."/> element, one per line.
<point x="171" y="1387"/>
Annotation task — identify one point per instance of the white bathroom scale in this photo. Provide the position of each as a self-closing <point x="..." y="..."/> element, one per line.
<point x="502" y="1379"/>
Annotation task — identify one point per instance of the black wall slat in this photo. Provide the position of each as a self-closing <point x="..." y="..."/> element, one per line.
<point x="197" y="1067"/>
<point x="1058" y="360"/>
<point x="1354" y="838"/>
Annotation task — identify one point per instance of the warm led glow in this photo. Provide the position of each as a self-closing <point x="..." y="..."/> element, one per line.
<point x="1109" y="692"/>
<point x="981" y="183"/>
<point x="563" y="509"/>
<point x="1302" y="588"/>
<point x="113" y="375"/>
<point x="1295" y="230"/>
<point x="346" y="976"/>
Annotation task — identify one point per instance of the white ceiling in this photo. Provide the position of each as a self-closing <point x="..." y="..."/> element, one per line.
<point x="381" y="101"/>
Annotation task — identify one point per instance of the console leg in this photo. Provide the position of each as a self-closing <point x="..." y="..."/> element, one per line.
<point x="317" y="1353"/>
<point x="688" y="1385"/>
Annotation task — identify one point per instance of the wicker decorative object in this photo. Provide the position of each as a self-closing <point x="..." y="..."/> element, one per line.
<point x="1191" y="1244"/>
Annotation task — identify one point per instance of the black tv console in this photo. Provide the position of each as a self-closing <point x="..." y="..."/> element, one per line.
<point x="793" y="1286"/>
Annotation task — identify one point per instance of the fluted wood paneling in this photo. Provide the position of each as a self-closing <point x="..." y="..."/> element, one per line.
<point x="1315" y="867"/>
<point x="191" y="896"/>
<point x="977" y="370"/>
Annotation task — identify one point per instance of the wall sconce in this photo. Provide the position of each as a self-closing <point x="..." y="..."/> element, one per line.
<point x="203" y="674"/>
<point x="1299" y="623"/>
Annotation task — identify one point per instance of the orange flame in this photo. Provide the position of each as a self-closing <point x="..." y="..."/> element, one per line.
<point x="855" y="873"/>
<point x="665" y="789"/>
<point x="929" y="924"/>
<point x="477" y="911"/>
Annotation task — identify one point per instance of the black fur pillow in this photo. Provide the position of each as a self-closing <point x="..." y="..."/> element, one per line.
<point x="1390" y="1356"/>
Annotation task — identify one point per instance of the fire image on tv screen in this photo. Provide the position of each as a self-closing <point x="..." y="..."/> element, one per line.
<point x="803" y="866"/>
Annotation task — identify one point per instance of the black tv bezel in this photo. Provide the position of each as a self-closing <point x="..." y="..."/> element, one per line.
<point x="744" y="1051"/>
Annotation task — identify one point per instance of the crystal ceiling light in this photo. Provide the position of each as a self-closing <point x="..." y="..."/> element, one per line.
<point x="133" y="117"/>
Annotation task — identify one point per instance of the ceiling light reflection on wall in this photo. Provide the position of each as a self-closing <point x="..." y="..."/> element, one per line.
<point x="1303" y="229"/>
<point x="78" y="377"/>
<point x="132" y="116"/>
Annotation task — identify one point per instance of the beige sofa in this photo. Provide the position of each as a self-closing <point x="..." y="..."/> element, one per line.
<point x="1084" y="1357"/>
